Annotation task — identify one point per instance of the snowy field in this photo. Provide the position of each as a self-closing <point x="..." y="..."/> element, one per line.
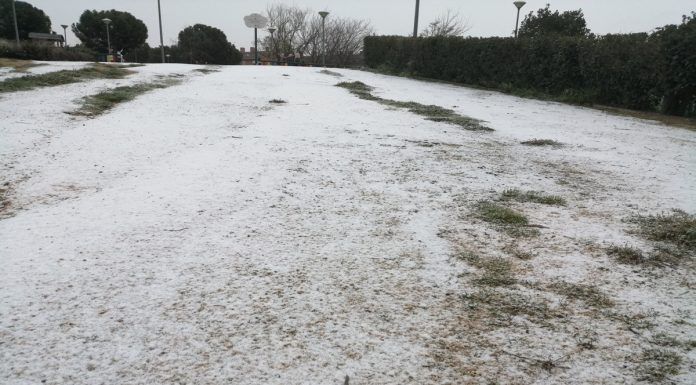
<point x="202" y="235"/>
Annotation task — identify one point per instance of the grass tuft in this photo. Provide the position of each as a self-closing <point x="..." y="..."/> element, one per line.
<point x="627" y="255"/>
<point x="533" y="196"/>
<point x="501" y="215"/>
<point x="206" y="71"/>
<point x="677" y="228"/>
<point x="331" y="73"/>
<point x="658" y="365"/>
<point x="58" y="78"/>
<point x="104" y="101"/>
<point x="277" y="101"/>
<point x="588" y="294"/>
<point x="542" y="142"/>
<point x="430" y="112"/>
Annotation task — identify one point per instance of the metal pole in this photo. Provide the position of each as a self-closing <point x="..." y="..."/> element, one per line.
<point x="517" y="24"/>
<point x="159" y="12"/>
<point x="14" y="15"/>
<point x="65" y="35"/>
<point x="323" y="40"/>
<point x="415" y="22"/>
<point x="108" y="39"/>
<point x="256" y="46"/>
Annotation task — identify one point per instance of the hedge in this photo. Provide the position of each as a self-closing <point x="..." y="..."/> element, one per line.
<point x="636" y="71"/>
<point x="38" y="51"/>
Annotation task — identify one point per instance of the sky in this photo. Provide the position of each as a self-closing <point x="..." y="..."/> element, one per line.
<point x="389" y="17"/>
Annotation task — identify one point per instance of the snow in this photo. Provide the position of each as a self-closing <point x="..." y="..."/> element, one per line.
<point x="200" y="235"/>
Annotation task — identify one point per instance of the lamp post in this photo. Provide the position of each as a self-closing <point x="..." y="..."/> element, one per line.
<point x="14" y="15"/>
<point x="65" y="34"/>
<point x="519" y="5"/>
<point x="159" y="12"/>
<point x="168" y="58"/>
<point x="107" y="21"/>
<point x="323" y="15"/>
<point x="415" y="22"/>
<point x="256" y="21"/>
<point x="272" y="31"/>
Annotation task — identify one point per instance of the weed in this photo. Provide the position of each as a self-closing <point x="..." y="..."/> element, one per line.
<point x="95" y="71"/>
<point x="501" y="215"/>
<point x="277" y="101"/>
<point x="533" y="196"/>
<point x="588" y="294"/>
<point x="542" y="142"/>
<point x="102" y="102"/>
<point x="658" y="364"/>
<point x="430" y="112"/>
<point x="627" y="255"/>
<point x="677" y="228"/>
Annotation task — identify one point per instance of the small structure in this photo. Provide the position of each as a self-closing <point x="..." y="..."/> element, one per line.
<point x="47" y="38"/>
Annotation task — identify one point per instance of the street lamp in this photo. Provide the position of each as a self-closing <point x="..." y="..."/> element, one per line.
<point x="415" y="23"/>
<point x="108" y="36"/>
<point x="14" y="15"/>
<point x="65" y="34"/>
<point x="519" y="5"/>
<point x="159" y="12"/>
<point x="323" y="15"/>
<point x="168" y="58"/>
<point x="272" y="31"/>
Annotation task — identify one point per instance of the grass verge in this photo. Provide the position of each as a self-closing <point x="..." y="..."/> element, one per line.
<point x="104" y="101"/>
<point x="533" y="196"/>
<point x="58" y="78"/>
<point x="429" y="112"/>
<point x="18" y="65"/>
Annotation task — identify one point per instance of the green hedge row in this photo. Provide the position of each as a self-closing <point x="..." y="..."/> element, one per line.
<point x="37" y="51"/>
<point x="637" y="71"/>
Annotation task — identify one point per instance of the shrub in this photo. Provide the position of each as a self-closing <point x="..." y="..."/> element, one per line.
<point x="37" y="51"/>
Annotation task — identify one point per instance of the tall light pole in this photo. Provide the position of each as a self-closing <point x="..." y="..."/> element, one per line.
<point x="108" y="35"/>
<point x="65" y="34"/>
<point x="159" y="12"/>
<point x="14" y="15"/>
<point x="415" y="22"/>
<point x="323" y="15"/>
<point x="272" y="31"/>
<point x="519" y="5"/>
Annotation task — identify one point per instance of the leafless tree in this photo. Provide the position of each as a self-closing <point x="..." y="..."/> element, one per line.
<point x="300" y="31"/>
<point x="449" y="23"/>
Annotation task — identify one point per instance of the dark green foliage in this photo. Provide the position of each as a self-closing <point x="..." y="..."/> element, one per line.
<point x="37" y="51"/>
<point x="548" y="23"/>
<point x="126" y="31"/>
<point x="639" y="71"/>
<point x="202" y="44"/>
<point x="97" y="71"/>
<point x="29" y="19"/>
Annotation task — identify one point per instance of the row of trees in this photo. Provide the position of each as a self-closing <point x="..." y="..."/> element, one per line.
<point x="196" y="44"/>
<point x="299" y="31"/>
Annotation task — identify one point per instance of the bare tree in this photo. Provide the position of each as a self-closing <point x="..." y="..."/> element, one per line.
<point x="447" y="24"/>
<point x="300" y="31"/>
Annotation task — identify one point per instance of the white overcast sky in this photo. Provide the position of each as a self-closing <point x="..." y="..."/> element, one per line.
<point x="394" y="17"/>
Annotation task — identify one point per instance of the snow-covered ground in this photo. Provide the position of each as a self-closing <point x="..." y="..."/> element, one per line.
<point x="200" y="235"/>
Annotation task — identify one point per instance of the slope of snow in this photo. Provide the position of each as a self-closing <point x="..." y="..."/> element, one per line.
<point x="201" y="235"/>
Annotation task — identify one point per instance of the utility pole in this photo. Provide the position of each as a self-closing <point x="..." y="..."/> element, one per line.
<point x="14" y="15"/>
<point x="415" y="22"/>
<point x="159" y="12"/>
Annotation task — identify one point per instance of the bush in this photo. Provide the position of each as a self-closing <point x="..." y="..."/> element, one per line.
<point x="38" y="51"/>
<point x="637" y="71"/>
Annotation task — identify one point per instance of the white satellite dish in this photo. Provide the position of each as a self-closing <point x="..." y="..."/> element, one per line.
<point x="256" y="20"/>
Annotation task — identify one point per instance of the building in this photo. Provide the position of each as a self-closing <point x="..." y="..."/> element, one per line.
<point x="47" y="38"/>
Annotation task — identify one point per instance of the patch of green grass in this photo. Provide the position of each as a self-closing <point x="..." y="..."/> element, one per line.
<point x="533" y="196"/>
<point x="277" y="101"/>
<point x="501" y="305"/>
<point x="542" y="142"/>
<point x="52" y="79"/>
<point x="588" y="294"/>
<point x="102" y="102"/>
<point x="494" y="271"/>
<point x="206" y="71"/>
<point x="429" y="112"/>
<point x="501" y="215"/>
<point x="657" y="365"/>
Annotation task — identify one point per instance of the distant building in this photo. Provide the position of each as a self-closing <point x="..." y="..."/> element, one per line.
<point x="47" y="38"/>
